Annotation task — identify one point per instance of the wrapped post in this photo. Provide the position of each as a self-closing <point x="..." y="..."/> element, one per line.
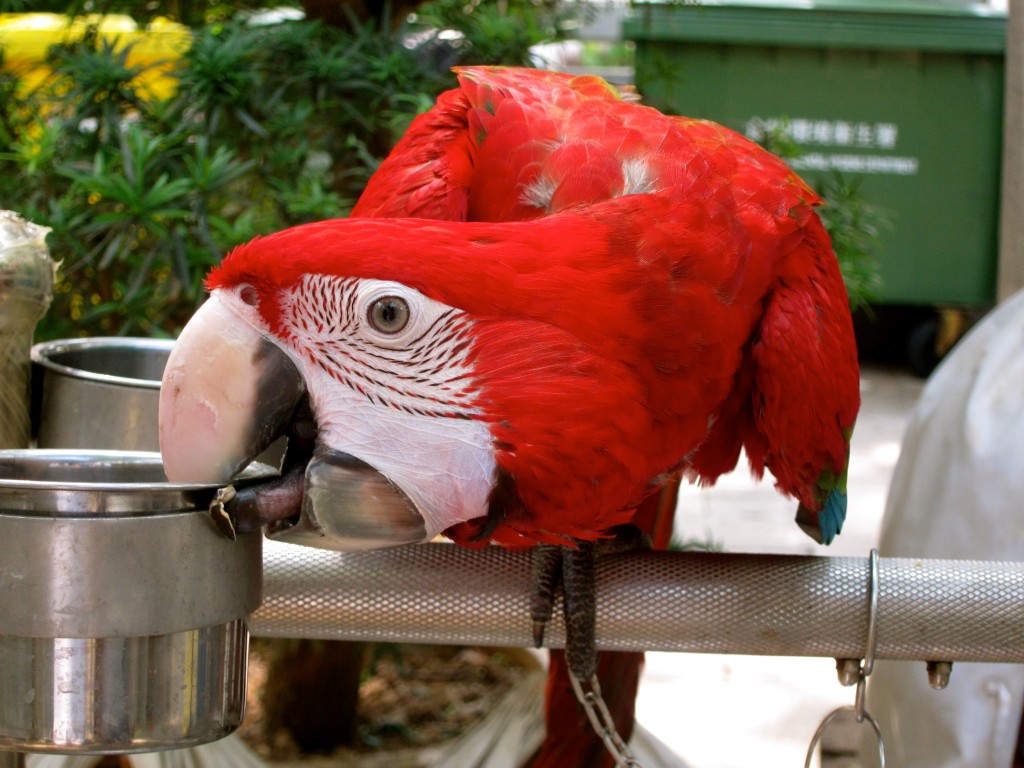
<point x="26" y="288"/>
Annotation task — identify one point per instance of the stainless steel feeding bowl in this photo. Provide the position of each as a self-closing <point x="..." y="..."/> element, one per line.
<point x="122" y="608"/>
<point x="99" y="393"/>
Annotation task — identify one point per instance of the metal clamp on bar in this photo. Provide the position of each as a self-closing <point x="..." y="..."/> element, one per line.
<point x="860" y="672"/>
<point x="656" y="601"/>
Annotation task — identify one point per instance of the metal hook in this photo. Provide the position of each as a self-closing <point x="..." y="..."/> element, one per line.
<point x="832" y="716"/>
<point x="867" y="665"/>
<point x="869" y="652"/>
<point x="873" y="589"/>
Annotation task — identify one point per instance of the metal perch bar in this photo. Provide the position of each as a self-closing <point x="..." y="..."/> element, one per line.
<point x="929" y="610"/>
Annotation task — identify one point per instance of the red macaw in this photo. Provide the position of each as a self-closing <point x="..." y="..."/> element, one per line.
<point x="548" y="303"/>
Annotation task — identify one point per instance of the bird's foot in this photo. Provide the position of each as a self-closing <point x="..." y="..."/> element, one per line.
<point x="575" y="568"/>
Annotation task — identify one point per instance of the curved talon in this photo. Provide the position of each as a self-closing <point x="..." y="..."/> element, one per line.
<point x="545" y="575"/>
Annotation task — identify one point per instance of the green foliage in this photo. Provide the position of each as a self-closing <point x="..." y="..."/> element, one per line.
<point x="854" y="226"/>
<point x="270" y="126"/>
<point x="777" y="139"/>
<point x="598" y="53"/>
<point x="500" y="31"/>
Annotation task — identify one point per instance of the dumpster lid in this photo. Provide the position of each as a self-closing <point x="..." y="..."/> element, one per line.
<point x="866" y="24"/>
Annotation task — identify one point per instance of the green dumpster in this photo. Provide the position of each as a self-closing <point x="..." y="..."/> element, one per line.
<point x="906" y="97"/>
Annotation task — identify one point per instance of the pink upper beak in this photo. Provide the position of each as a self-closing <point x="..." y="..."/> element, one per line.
<point x="227" y="392"/>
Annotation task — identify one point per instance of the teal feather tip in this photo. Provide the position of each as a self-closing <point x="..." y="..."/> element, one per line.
<point x="832" y="516"/>
<point x="824" y="525"/>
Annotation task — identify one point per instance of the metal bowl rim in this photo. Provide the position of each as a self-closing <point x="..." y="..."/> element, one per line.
<point x="253" y="472"/>
<point x="40" y="352"/>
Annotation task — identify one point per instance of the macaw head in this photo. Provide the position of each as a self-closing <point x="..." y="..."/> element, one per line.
<point x="382" y="369"/>
<point x="406" y="345"/>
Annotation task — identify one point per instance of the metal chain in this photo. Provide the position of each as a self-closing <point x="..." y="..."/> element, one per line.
<point x="601" y="721"/>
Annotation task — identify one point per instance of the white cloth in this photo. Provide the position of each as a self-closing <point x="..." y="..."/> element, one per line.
<point x="958" y="493"/>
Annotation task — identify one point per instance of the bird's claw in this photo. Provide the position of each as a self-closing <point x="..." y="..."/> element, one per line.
<point x="545" y="576"/>
<point x="575" y="569"/>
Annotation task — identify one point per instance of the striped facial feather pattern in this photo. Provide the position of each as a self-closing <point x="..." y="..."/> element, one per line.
<point x="422" y="368"/>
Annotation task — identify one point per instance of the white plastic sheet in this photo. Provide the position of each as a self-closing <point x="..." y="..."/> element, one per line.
<point x="958" y="492"/>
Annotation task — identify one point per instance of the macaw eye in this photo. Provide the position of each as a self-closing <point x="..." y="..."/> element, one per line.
<point x="389" y="314"/>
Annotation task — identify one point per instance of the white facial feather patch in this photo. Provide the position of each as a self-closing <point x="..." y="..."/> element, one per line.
<point x="402" y="402"/>
<point x="422" y="370"/>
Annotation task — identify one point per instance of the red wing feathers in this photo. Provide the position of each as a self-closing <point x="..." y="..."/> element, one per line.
<point x="428" y="174"/>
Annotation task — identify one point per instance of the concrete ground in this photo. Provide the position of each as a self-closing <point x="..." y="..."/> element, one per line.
<point x="720" y="711"/>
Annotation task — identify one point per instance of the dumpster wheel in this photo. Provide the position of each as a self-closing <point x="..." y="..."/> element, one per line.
<point x="929" y="341"/>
